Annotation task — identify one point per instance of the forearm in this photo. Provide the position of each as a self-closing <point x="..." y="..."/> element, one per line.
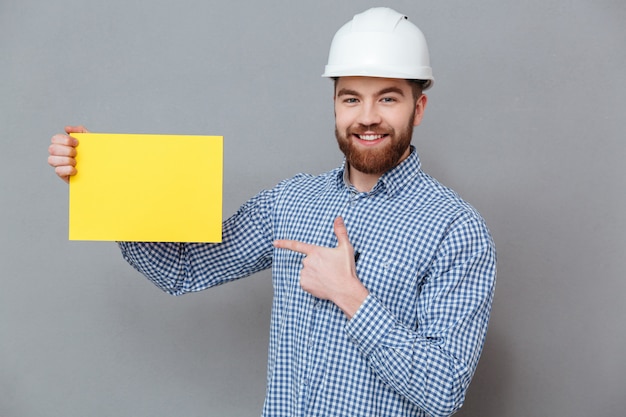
<point x="179" y="268"/>
<point x="417" y="367"/>
<point x="430" y="369"/>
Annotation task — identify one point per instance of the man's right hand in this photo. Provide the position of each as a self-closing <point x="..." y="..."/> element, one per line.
<point x="63" y="152"/>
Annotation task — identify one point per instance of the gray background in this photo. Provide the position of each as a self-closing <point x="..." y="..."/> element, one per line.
<point x="526" y="121"/>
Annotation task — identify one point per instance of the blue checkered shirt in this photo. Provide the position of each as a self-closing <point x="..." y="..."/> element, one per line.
<point x="426" y="257"/>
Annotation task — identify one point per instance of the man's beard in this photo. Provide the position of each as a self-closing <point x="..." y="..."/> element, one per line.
<point x="379" y="160"/>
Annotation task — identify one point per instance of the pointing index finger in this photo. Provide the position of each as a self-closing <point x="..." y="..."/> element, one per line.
<point x="294" y="245"/>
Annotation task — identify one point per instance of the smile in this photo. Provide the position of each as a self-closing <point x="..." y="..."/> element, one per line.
<point x="370" y="137"/>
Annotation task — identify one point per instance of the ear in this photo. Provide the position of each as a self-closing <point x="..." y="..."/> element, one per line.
<point x="420" y="106"/>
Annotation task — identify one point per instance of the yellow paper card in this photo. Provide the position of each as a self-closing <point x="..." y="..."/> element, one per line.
<point x="149" y="188"/>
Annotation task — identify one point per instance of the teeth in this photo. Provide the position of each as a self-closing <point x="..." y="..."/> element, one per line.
<point x="370" y="137"/>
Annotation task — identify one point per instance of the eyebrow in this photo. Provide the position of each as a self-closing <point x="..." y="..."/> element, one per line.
<point x="388" y="90"/>
<point x="349" y="92"/>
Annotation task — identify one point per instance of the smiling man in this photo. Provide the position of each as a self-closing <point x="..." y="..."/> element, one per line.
<point x="383" y="278"/>
<point x="374" y="120"/>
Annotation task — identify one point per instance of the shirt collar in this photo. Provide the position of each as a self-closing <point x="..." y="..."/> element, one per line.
<point x="391" y="181"/>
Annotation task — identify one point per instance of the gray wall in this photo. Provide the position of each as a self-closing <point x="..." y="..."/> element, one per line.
<point x="526" y="121"/>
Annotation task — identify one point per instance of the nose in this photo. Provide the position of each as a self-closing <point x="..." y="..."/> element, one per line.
<point x="369" y="115"/>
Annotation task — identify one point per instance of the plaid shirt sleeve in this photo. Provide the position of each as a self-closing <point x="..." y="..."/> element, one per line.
<point x="179" y="268"/>
<point x="433" y="364"/>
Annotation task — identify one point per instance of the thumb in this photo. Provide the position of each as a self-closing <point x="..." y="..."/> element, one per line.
<point x="341" y="232"/>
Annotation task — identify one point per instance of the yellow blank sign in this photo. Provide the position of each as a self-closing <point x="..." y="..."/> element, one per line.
<point x="149" y="188"/>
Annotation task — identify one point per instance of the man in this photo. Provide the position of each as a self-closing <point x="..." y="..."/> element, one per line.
<point x="383" y="278"/>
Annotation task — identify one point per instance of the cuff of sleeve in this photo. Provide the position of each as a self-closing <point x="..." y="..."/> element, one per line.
<point x="371" y="323"/>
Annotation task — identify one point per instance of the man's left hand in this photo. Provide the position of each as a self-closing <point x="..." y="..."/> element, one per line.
<point x="330" y="273"/>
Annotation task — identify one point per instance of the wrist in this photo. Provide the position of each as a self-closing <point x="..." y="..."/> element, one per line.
<point x="351" y="300"/>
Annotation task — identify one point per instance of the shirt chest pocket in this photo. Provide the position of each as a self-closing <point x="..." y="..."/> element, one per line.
<point x="394" y="282"/>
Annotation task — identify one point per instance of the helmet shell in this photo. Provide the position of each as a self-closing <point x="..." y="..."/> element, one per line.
<point x="380" y="42"/>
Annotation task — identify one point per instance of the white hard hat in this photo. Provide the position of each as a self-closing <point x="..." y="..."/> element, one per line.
<point x="380" y="42"/>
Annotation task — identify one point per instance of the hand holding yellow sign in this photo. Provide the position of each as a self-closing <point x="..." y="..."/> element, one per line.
<point x="148" y="188"/>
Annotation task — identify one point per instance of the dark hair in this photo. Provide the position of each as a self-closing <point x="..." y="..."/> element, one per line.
<point x="418" y="87"/>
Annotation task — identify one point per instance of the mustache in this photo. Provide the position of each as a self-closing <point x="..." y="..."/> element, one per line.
<point x="376" y="129"/>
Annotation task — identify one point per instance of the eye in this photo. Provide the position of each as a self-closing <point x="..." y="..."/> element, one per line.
<point x="350" y="100"/>
<point x="388" y="99"/>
